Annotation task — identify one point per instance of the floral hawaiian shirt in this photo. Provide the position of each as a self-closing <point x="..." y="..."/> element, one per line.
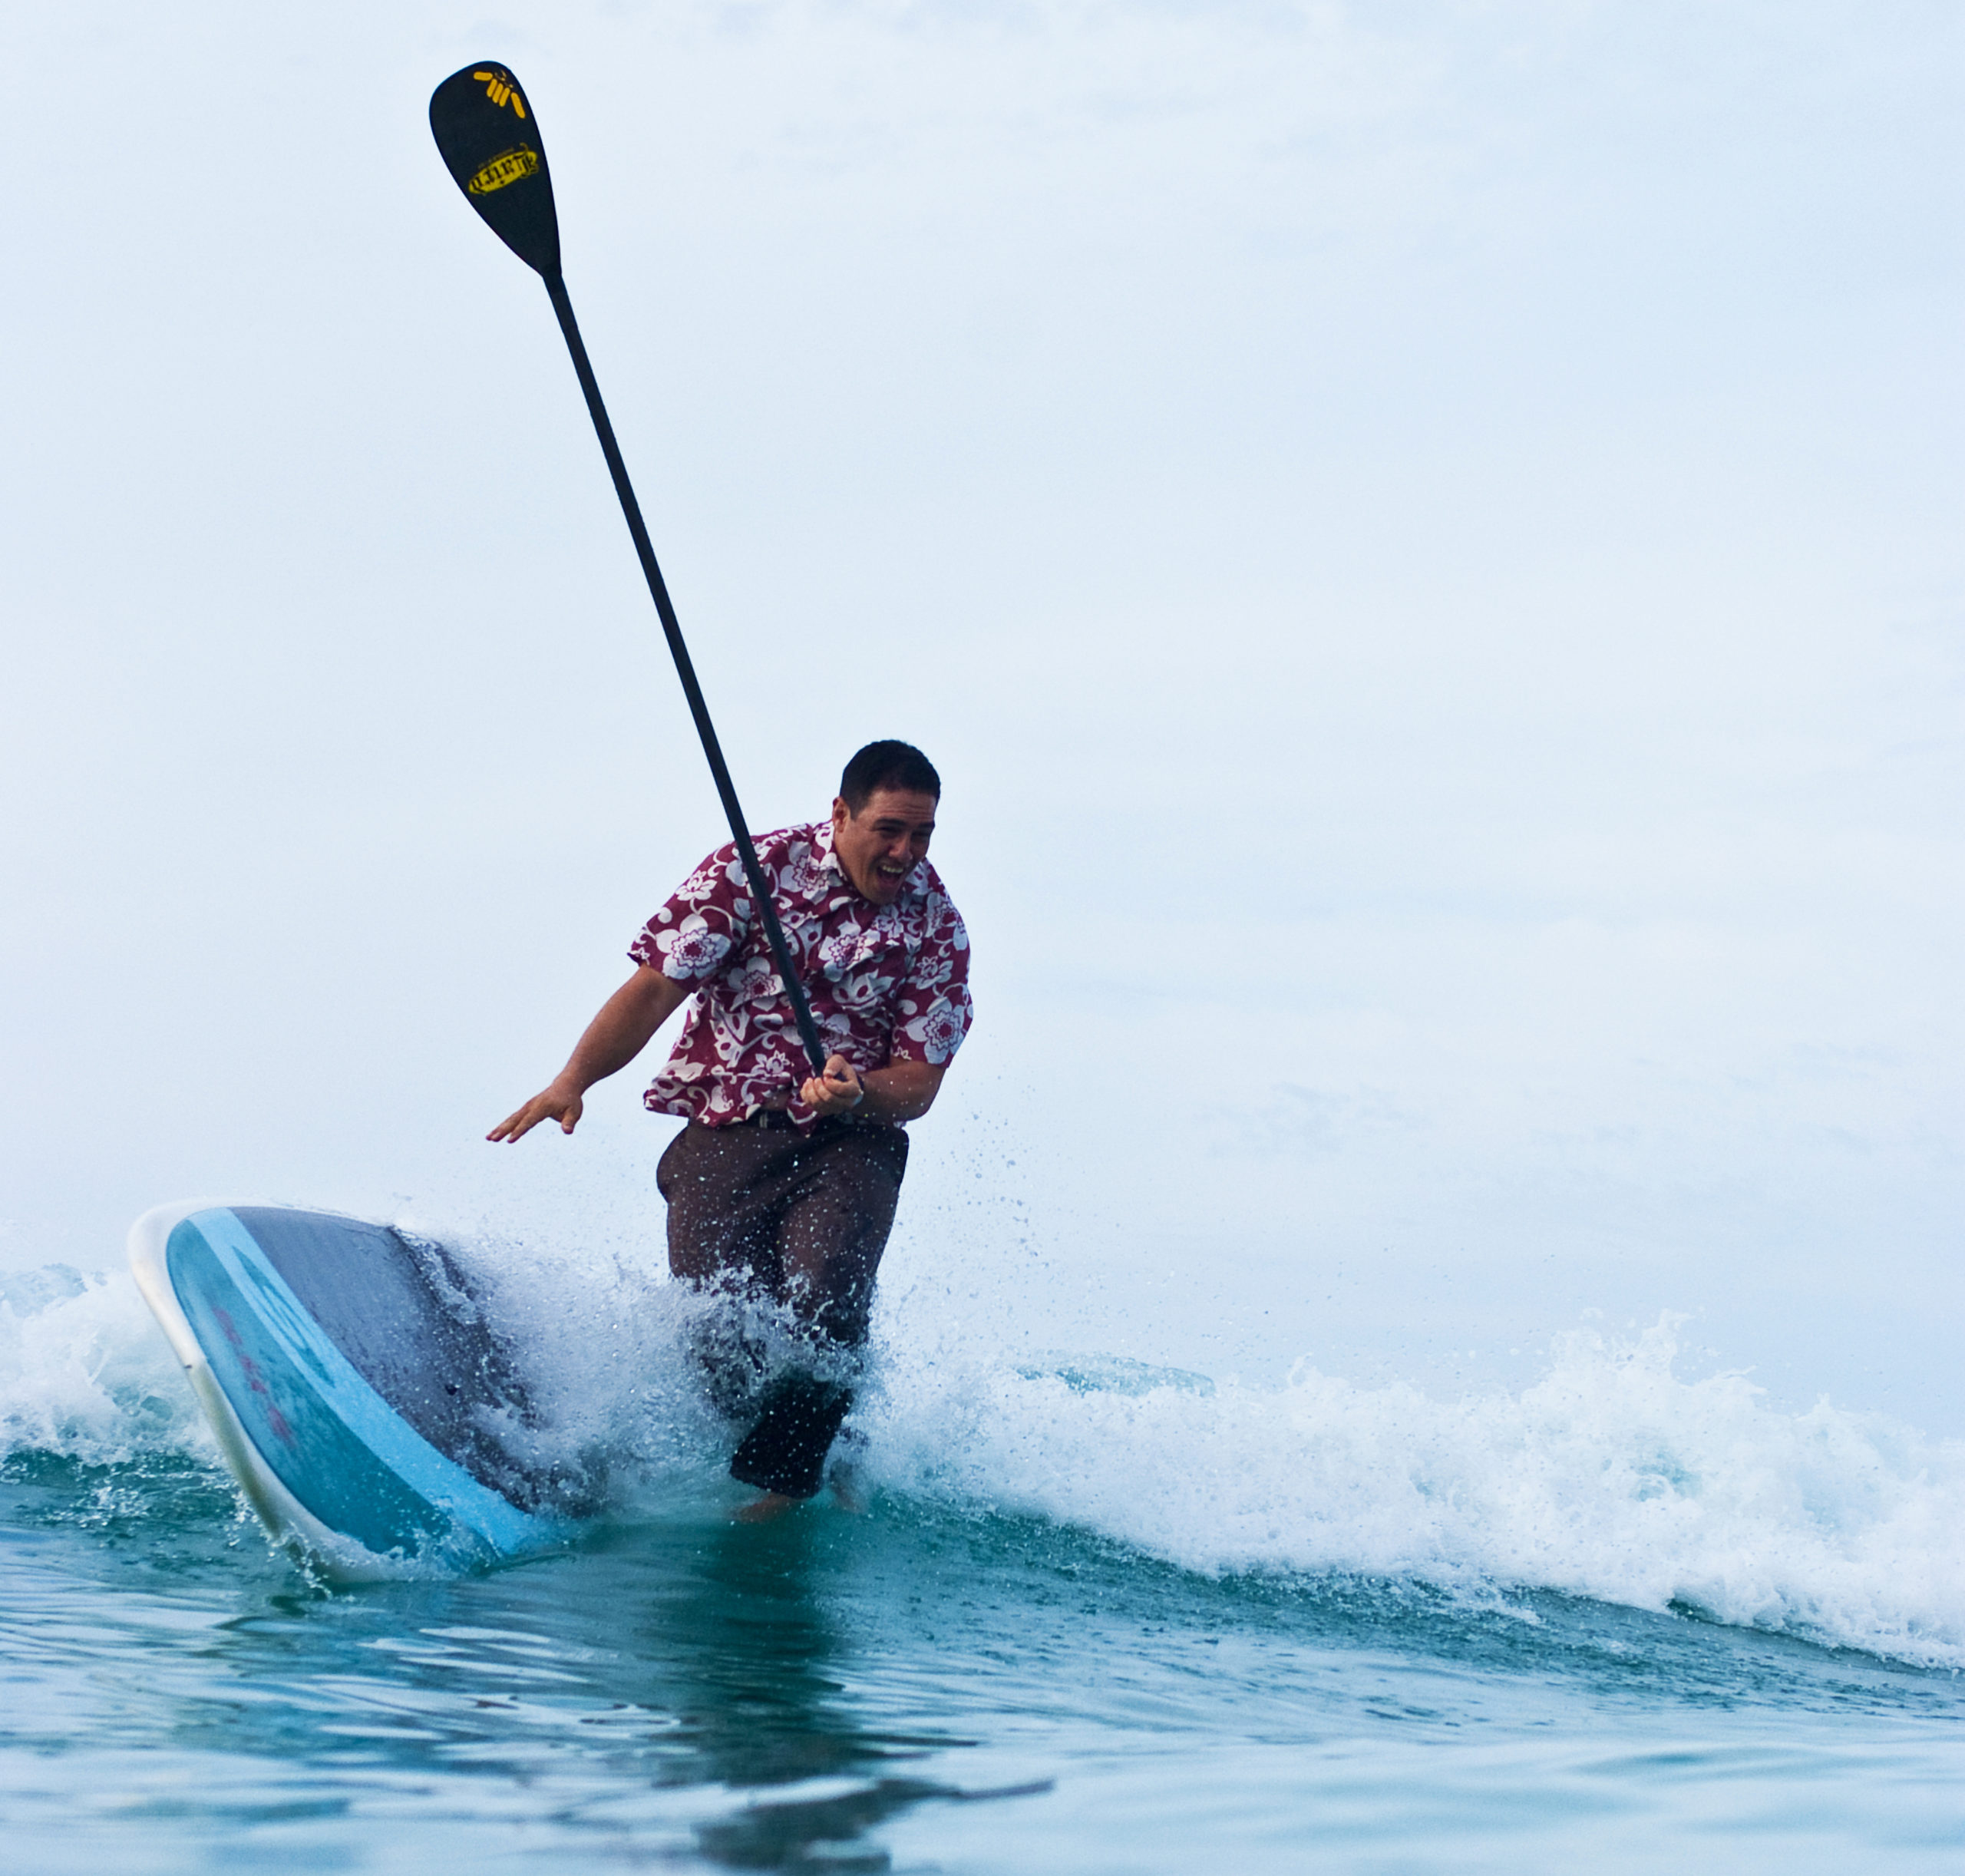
<point x="885" y="983"/>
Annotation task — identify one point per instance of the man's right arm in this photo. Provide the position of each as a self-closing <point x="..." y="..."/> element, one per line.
<point x="613" y="1039"/>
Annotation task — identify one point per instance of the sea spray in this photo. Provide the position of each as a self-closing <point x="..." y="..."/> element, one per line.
<point x="609" y="1357"/>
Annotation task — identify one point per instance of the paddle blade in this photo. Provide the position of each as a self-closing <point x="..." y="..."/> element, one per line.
<point x="490" y="140"/>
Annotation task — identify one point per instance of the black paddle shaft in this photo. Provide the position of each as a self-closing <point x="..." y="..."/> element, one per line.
<point x="490" y="142"/>
<point x="726" y="789"/>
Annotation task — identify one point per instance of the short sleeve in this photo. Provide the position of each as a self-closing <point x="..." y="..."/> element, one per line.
<point x="708" y="916"/>
<point x="933" y="1010"/>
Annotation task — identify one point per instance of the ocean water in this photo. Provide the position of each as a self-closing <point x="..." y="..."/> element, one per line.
<point x="1097" y="1615"/>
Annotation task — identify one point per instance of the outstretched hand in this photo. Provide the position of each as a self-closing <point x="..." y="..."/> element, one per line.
<point x="557" y="1103"/>
<point x="838" y="1091"/>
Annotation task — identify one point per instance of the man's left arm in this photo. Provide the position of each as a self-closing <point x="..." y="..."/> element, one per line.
<point x="932" y="1012"/>
<point x="903" y="1090"/>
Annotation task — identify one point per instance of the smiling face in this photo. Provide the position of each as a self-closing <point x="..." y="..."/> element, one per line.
<point x="884" y="842"/>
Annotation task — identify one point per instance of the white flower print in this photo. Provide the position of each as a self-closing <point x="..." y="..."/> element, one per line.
<point x="939" y="1030"/>
<point x="691" y="950"/>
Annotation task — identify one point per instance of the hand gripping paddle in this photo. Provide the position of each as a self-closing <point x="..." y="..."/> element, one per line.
<point x="490" y="140"/>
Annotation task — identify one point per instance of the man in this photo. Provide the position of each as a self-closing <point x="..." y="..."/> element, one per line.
<point x="783" y="1185"/>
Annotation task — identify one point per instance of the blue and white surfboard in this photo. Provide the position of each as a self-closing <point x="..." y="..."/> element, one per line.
<point x="355" y="1391"/>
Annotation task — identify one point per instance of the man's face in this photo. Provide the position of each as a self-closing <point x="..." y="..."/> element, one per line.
<point x="884" y="842"/>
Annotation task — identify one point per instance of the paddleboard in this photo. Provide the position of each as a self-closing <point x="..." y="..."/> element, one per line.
<point x="356" y="1391"/>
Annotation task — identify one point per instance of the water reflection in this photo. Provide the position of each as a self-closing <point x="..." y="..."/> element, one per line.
<point x="743" y="1649"/>
<point x="804" y="1835"/>
<point x="750" y="1630"/>
<point x="669" y="1658"/>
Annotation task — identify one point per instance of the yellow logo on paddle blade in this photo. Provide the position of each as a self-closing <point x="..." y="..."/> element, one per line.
<point x="512" y="166"/>
<point x="499" y="91"/>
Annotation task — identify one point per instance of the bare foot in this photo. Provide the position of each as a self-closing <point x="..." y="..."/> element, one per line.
<point x="762" y="1511"/>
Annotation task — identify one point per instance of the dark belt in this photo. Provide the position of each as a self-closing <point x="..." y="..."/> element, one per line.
<point x="778" y="1120"/>
<point x="770" y="1119"/>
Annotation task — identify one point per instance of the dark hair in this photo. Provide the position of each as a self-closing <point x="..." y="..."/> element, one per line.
<point x="888" y="764"/>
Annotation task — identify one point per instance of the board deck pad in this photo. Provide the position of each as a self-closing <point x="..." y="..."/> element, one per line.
<point x="426" y="1350"/>
<point x="360" y="1396"/>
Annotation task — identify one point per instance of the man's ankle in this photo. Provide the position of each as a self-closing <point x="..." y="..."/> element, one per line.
<point x="762" y="1511"/>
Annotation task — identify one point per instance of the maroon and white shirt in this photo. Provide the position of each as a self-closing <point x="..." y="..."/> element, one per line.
<point x="885" y="983"/>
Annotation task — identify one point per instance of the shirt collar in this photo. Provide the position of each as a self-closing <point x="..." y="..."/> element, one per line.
<point x="826" y="863"/>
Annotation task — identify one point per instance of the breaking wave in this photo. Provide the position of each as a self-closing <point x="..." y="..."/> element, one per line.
<point x="1611" y="1478"/>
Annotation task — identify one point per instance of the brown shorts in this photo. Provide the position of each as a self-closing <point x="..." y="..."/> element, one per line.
<point x="800" y="1220"/>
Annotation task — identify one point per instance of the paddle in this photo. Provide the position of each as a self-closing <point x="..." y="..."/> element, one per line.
<point x="490" y="140"/>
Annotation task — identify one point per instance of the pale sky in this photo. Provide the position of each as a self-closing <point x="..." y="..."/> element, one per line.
<point x="1424" y="540"/>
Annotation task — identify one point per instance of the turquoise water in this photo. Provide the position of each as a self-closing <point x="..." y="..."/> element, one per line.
<point x="971" y="1676"/>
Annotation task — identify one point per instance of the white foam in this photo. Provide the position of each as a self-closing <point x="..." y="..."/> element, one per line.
<point x="85" y="1373"/>
<point x="1610" y="1478"/>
